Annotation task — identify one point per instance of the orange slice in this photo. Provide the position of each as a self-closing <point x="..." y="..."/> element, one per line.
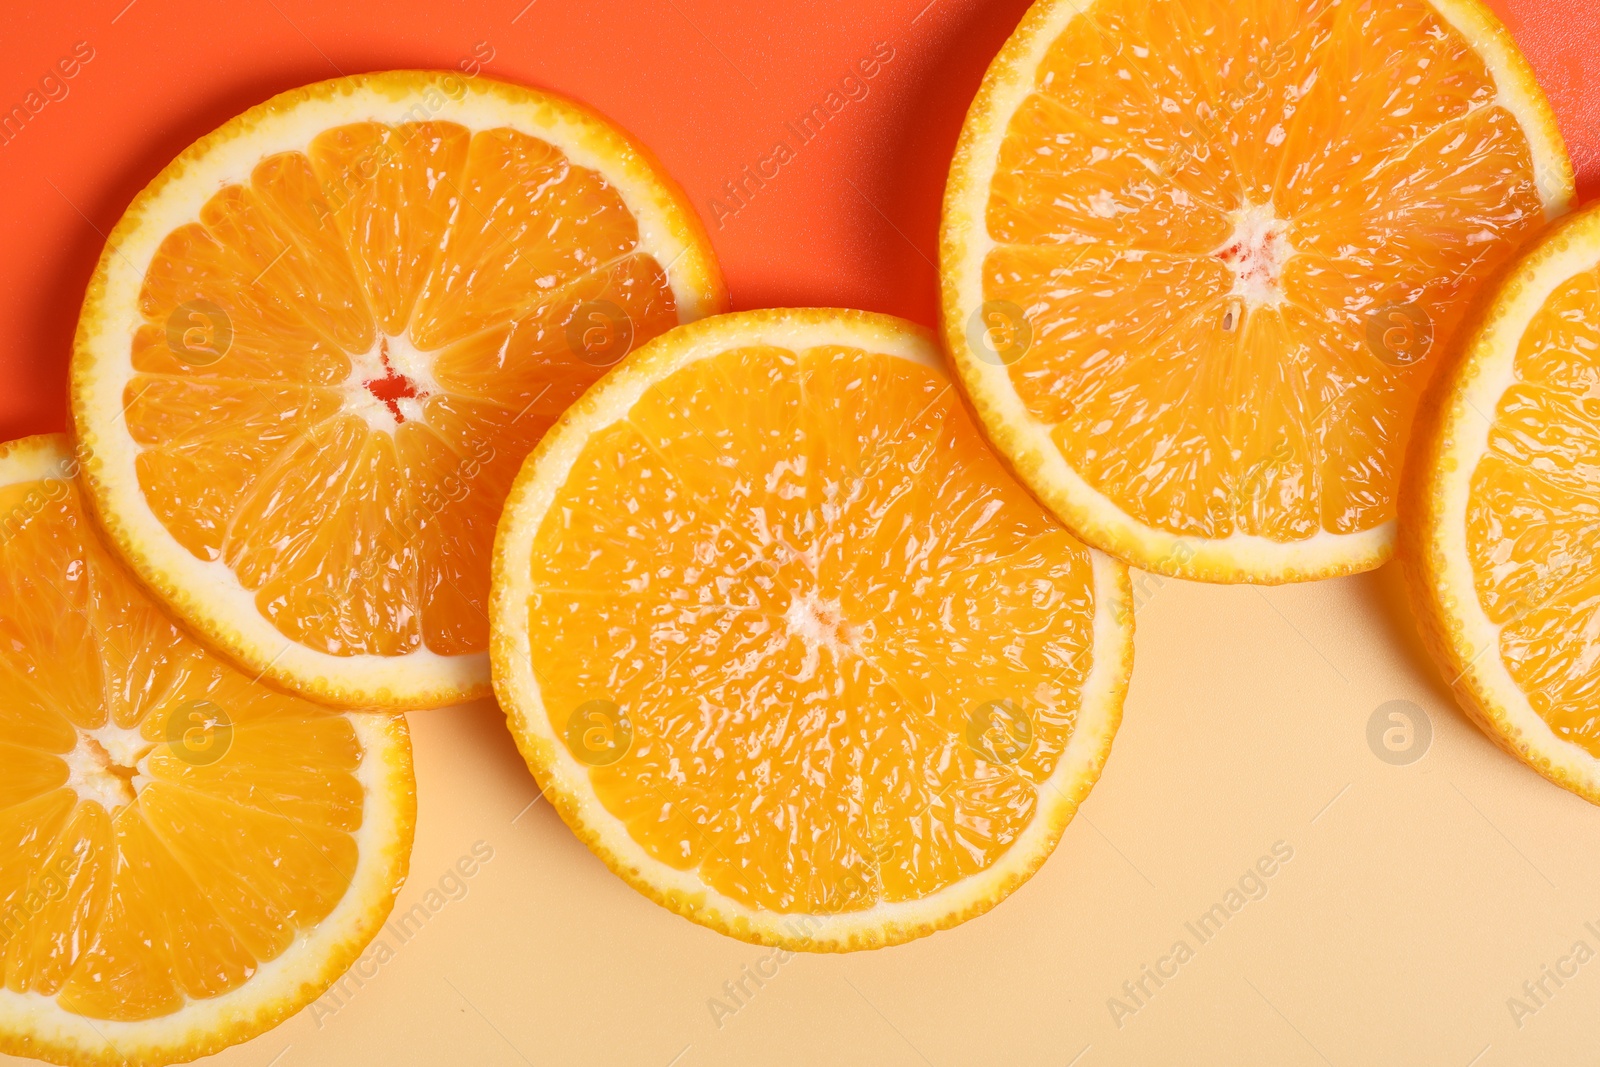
<point x="187" y="856"/>
<point x="787" y="647"/>
<point x="1198" y="257"/>
<point x="1501" y="513"/>
<point x="319" y="345"/>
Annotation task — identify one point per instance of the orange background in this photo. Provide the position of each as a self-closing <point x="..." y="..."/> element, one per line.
<point x="707" y="84"/>
<point x="1419" y="898"/>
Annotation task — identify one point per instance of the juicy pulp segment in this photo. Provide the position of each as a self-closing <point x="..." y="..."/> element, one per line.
<point x="134" y="876"/>
<point x="402" y="303"/>
<point x="1533" y="514"/>
<point x="800" y="577"/>
<point x="1207" y="211"/>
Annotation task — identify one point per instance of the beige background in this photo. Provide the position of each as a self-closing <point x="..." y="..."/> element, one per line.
<point x="1418" y="900"/>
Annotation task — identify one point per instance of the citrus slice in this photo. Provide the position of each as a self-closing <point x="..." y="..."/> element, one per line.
<point x="1198" y="256"/>
<point x="788" y="648"/>
<point x="319" y="345"/>
<point x="1501" y="513"/>
<point x="187" y="856"/>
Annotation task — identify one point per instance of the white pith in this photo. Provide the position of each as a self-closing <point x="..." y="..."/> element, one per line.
<point x="1257" y="252"/>
<point x="405" y="360"/>
<point x="819" y="623"/>
<point x="89" y="765"/>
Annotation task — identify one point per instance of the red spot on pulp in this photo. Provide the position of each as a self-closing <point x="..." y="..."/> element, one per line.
<point x="392" y="387"/>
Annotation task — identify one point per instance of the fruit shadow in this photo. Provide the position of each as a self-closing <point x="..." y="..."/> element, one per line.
<point x="919" y="137"/>
<point x="901" y="149"/>
<point x="1384" y="591"/>
<point x="480" y="726"/>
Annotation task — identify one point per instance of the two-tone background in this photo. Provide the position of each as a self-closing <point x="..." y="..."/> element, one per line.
<point x="1300" y="852"/>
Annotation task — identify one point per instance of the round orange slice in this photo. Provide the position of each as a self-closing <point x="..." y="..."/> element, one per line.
<point x="187" y="856"/>
<point x="1199" y="257"/>
<point x="788" y="648"/>
<point x="320" y="343"/>
<point x="1501" y="513"/>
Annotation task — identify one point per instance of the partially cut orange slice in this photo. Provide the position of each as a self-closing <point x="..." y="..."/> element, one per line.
<point x="1199" y="256"/>
<point x="319" y="345"/>
<point x="1501" y="515"/>
<point x="187" y="856"/>
<point x="788" y="648"/>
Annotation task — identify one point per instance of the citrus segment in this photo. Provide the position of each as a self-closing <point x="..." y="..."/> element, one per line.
<point x="1503" y="498"/>
<point x="186" y="855"/>
<point x="354" y="309"/>
<point x="786" y="645"/>
<point x="1196" y="258"/>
